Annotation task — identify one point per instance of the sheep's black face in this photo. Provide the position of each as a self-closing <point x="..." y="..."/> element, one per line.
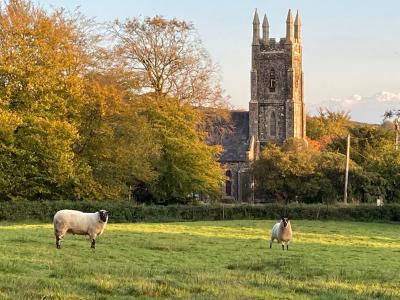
<point x="285" y="221"/>
<point x="103" y="215"/>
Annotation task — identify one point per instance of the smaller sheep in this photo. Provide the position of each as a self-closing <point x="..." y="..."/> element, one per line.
<point x="282" y="232"/>
<point x="77" y="222"/>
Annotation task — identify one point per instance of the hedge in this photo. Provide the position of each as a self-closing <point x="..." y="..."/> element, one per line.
<point x="128" y="212"/>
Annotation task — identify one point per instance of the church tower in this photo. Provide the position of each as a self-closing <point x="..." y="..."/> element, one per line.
<point x="276" y="107"/>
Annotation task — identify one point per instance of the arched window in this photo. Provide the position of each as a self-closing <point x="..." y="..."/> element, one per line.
<point x="272" y="124"/>
<point x="272" y="81"/>
<point x="228" y="183"/>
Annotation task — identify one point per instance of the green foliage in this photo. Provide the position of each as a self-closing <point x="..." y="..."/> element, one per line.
<point x="373" y="149"/>
<point x="328" y="125"/>
<point x="72" y="121"/>
<point x="40" y="61"/>
<point x="366" y="142"/>
<point x="295" y="172"/>
<point x="44" y="163"/>
<point x="187" y="164"/>
<point x="115" y="140"/>
<point x="202" y="260"/>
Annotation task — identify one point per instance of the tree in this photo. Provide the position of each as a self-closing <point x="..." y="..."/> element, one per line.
<point x="327" y="126"/>
<point x="9" y="122"/>
<point x="373" y="149"/>
<point x="366" y="142"/>
<point x="41" y="61"/>
<point x="280" y="171"/>
<point x="187" y="164"/>
<point x="116" y="141"/>
<point x="294" y="171"/>
<point x="387" y="165"/>
<point x="169" y="60"/>
<point x="44" y="161"/>
<point x="393" y="114"/>
<point x="181" y="95"/>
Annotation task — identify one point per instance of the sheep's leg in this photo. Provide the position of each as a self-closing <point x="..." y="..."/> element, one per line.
<point x="283" y="246"/>
<point x="270" y="243"/>
<point x="287" y="247"/>
<point x="59" y="235"/>
<point x="58" y="242"/>
<point x="93" y="239"/>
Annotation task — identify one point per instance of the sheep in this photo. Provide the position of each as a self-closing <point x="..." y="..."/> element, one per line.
<point x="282" y="232"/>
<point x="77" y="222"/>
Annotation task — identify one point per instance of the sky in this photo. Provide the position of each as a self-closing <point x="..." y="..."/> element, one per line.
<point x="351" y="48"/>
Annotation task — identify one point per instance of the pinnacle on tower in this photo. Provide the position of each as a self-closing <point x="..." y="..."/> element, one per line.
<point x="265" y="26"/>
<point x="289" y="18"/>
<point x="297" y="27"/>
<point x="256" y="29"/>
<point x="289" y="27"/>
<point x="256" y="21"/>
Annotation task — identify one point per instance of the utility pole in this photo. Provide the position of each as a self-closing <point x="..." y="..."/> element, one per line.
<point x="346" y="178"/>
<point x="396" y="129"/>
<point x="253" y="186"/>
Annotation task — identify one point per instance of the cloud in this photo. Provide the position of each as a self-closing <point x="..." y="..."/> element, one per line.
<point x="362" y="108"/>
<point x="387" y="96"/>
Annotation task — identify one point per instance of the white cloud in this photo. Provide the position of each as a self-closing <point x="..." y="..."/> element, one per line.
<point x="348" y="103"/>
<point x="362" y="108"/>
<point x="385" y="96"/>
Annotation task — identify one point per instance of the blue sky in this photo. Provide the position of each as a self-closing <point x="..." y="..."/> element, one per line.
<point x="351" y="48"/>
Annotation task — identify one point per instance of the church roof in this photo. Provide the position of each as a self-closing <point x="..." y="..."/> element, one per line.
<point x="236" y="143"/>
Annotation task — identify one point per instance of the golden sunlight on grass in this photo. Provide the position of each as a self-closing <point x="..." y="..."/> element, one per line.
<point x="203" y="260"/>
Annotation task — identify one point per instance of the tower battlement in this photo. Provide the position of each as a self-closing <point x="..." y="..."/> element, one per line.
<point x="273" y="45"/>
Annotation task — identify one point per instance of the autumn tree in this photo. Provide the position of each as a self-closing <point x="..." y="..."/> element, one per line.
<point x="169" y="59"/>
<point x="68" y="129"/>
<point x="187" y="165"/>
<point x="327" y="126"/>
<point x="180" y="89"/>
<point x="117" y="142"/>
<point x="41" y="88"/>
<point x="295" y="172"/>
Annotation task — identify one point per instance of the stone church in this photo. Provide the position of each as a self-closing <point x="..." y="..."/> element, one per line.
<point x="276" y="108"/>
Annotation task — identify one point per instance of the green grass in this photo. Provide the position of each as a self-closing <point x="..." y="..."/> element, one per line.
<point x="203" y="260"/>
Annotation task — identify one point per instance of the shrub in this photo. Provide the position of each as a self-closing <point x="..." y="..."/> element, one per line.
<point x="44" y="211"/>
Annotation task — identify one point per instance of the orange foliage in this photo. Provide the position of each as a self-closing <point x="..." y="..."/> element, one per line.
<point x="316" y="145"/>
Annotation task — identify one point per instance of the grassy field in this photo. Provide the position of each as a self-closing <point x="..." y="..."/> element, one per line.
<point x="203" y="260"/>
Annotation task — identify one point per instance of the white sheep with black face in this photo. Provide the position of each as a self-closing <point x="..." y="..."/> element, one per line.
<point x="77" y="222"/>
<point x="282" y="232"/>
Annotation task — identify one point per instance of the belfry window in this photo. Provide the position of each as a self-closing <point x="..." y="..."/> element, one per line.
<point x="272" y="124"/>
<point x="272" y="81"/>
